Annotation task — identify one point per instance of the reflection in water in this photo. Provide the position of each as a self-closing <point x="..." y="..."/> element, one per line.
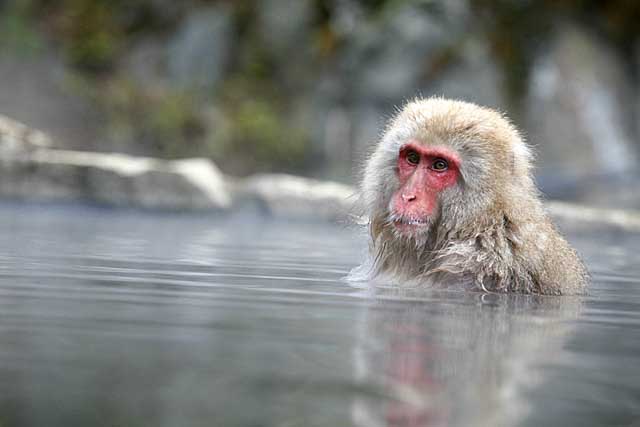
<point x="124" y="318"/>
<point x="462" y="362"/>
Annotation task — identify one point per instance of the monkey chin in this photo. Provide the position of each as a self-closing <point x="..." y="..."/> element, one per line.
<point x="411" y="228"/>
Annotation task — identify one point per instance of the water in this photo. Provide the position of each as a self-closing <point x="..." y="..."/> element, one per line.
<point x="120" y="318"/>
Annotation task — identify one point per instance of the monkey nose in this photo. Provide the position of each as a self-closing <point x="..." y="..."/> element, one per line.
<point x="408" y="197"/>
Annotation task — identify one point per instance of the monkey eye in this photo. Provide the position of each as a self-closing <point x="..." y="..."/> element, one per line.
<point x="413" y="157"/>
<point x="439" y="165"/>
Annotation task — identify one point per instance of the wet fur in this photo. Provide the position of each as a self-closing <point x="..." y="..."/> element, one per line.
<point x="490" y="231"/>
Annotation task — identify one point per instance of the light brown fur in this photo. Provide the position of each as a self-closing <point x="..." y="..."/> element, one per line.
<point x="490" y="230"/>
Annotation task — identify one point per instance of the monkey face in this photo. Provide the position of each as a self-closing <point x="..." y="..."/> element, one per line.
<point x="442" y="164"/>
<point x="423" y="172"/>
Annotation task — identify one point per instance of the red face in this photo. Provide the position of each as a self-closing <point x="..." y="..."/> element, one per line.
<point x="424" y="172"/>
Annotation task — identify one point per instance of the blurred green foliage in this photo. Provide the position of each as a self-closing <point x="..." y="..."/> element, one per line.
<point x="91" y="33"/>
<point x="17" y="32"/>
<point x="94" y="33"/>
<point x="165" y="123"/>
<point x="258" y="134"/>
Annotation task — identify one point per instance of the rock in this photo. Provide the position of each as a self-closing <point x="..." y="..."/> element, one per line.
<point x="575" y="217"/>
<point x="113" y="179"/>
<point x="330" y="130"/>
<point x="145" y="63"/>
<point x="197" y="184"/>
<point x="386" y="59"/>
<point x="368" y="122"/>
<point x="577" y="108"/>
<point x="203" y="175"/>
<point x="411" y="49"/>
<point x="472" y="75"/>
<point x="293" y="197"/>
<point x="23" y="179"/>
<point x="283" y="36"/>
<point x="199" y="53"/>
<point x="15" y="136"/>
<point x="636" y="65"/>
<point x="283" y="24"/>
<point x="602" y="191"/>
<point x="38" y="89"/>
<point x="378" y="68"/>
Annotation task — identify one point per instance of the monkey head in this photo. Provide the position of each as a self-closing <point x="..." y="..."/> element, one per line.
<point x="443" y="165"/>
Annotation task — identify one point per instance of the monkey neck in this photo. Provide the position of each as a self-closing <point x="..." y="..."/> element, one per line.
<point x="404" y="257"/>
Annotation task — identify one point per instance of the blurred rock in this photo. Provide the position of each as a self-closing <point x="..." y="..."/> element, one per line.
<point x="199" y="52"/>
<point x="577" y="217"/>
<point x="39" y="90"/>
<point x="379" y="67"/>
<point x="16" y="137"/>
<point x="411" y="49"/>
<point x="636" y="65"/>
<point x="577" y="110"/>
<point x="283" y="25"/>
<point x="605" y="191"/>
<point x="285" y="41"/>
<point x="386" y="59"/>
<point x="113" y="179"/>
<point x="145" y="63"/>
<point x="345" y="17"/>
<point x="417" y="50"/>
<point x="35" y="172"/>
<point x="196" y="184"/>
<point x="293" y="197"/>
<point x="471" y="75"/>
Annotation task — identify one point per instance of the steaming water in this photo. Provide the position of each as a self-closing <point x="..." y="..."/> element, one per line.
<point x="117" y="318"/>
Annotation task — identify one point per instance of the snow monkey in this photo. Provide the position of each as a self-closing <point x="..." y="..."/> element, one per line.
<point x="451" y="202"/>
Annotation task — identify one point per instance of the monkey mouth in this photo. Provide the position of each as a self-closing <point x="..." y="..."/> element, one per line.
<point x="408" y="224"/>
<point x="411" y="221"/>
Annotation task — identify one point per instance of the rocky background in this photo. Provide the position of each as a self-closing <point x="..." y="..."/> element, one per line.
<point x="303" y="87"/>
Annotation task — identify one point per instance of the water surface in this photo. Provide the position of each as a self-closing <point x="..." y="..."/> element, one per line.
<point x="124" y="318"/>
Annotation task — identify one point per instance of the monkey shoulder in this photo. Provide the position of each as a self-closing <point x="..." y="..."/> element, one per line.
<point x="530" y="257"/>
<point x="562" y="271"/>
